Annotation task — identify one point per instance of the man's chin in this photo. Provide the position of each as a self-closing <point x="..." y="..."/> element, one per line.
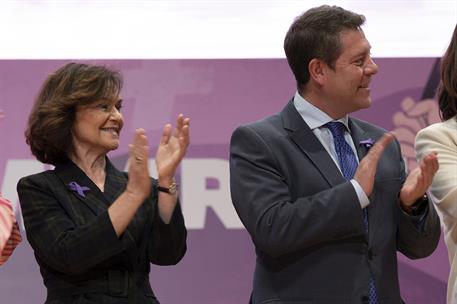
<point x="365" y="103"/>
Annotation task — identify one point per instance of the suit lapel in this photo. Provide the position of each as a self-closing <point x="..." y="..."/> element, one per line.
<point x="115" y="184"/>
<point x="358" y="134"/>
<point x="304" y="138"/>
<point x="92" y="198"/>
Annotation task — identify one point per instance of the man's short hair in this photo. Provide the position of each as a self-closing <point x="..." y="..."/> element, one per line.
<point x="316" y="34"/>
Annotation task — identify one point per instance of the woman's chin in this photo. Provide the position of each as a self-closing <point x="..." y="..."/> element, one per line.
<point x="112" y="146"/>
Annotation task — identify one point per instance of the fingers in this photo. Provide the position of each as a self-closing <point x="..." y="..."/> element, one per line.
<point x="179" y="125"/>
<point x="166" y="133"/>
<point x="366" y="170"/>
<point x="185" y="132"/>
<point x="139" y="149"/>
<point x="181" y="132"/>
<point x="429" y="165"/>
<point x="431" y="161"/>
<point x="138" y="178"/>
<point x="376" y="151"/>
<point x="420" y="179"/>
<point x="186" y="122"/>
<point x="184" y="139"/>
<point x="139" y="137"/>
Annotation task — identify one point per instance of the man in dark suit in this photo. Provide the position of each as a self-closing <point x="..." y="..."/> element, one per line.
<point x="324" y="196"/>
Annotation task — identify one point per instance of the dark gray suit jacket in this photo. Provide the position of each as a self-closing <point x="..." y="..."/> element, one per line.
<point x="80" y="257"/>
<point x="306" y="221"/>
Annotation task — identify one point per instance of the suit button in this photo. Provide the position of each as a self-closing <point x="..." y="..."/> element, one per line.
<point x="365" y="299"/>
<point x="370" y="254"/>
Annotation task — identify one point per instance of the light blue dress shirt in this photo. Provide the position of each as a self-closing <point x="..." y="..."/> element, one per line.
<point x="316" y="120"/>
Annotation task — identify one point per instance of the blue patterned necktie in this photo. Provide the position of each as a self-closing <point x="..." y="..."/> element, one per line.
<point x="348" y="165"/>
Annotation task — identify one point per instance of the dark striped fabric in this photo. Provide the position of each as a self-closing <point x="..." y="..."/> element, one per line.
<point x="76" y="247"/>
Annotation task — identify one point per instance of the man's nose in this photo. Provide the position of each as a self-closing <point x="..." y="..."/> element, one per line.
<point x="371" y="67"/>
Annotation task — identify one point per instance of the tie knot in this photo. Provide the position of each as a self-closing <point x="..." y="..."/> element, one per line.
<point x="337" y="128"/>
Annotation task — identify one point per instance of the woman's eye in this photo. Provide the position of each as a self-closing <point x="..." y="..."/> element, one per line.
<point x="119" y="107"/>
<point x="104" y="107"/>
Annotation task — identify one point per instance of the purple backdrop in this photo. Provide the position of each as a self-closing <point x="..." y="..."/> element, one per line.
<point x="218" y="95"/>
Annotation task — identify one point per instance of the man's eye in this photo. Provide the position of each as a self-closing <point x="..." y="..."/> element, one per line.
<point x="358" y="62"/>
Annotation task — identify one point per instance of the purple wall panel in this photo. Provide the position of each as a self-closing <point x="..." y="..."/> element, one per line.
<point x="218" y="95"/>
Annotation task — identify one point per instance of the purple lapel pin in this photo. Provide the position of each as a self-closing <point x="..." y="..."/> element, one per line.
<point x="74" y="186"/>
<point x="367" y="143"/>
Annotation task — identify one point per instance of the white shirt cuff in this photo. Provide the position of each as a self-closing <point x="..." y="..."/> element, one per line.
<point x="363" y="198"/>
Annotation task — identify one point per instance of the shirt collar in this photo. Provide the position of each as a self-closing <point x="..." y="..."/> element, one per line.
<point x="313" y="116"/>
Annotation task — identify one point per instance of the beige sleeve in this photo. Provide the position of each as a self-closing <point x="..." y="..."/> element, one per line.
<point x="444" y="187"/>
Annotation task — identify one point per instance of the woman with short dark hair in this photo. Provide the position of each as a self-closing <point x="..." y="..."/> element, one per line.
<point x="95" y="230"/>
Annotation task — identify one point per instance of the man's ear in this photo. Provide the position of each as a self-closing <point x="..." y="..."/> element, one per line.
<point x="316" y="68"/>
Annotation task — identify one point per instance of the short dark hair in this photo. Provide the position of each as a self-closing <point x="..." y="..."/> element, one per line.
<point x="316" y="34"/>
<point x="49" y="130"/>
<point x="447" y="91"/>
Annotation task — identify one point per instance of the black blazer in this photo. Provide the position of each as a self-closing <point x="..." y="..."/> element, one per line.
<point x="306" y="221"/>
<point x="76" y="247"/>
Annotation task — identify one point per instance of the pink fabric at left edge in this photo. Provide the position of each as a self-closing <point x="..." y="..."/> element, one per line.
<point x="10" y="236"/>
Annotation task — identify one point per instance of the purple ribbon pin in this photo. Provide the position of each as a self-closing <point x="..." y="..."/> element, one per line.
<point x="368" y="143"/>
<point x="74" y="186"/>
